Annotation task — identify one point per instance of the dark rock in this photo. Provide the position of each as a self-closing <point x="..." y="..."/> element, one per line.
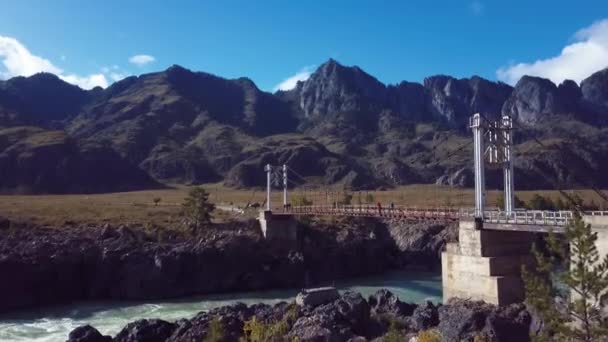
<point x="348" y="318"/>
<point x="123" y="263"/>
<point x="463" y="320"/>
<point x="424" y="317"/>
<point x="144" y="330"/>
<point x="385" y="302"/>
<point x="420" y="244"/>
<point x="87" y="333"/>
<point x="511" y="323"/>
<point x="355" y="310"/>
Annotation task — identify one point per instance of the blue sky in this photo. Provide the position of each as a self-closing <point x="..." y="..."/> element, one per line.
<point x="92" y="42"/>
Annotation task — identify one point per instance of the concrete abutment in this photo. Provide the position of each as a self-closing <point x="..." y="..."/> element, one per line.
<point x="486" y="264"/>
<point x="278" y="227"/>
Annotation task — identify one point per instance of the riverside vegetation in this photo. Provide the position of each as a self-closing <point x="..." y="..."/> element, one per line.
<point x="581" y="315"/>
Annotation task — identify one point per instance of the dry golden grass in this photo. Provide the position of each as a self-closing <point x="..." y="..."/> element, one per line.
<point x="138" y="207"/>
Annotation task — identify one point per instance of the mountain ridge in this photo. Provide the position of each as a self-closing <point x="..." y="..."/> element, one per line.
<point x="181" y="126"/>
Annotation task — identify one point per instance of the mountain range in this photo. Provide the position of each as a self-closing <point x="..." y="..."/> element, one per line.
<point x="340" y="127"/>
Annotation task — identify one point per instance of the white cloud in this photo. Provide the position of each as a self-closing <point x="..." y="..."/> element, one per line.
<point x="290" y="82"/>
<point x="586" y="55"/>
<point x="141" y="60"/>
<point x="117" y="76"/>
<point x="86" y="82"/>
<point x="19" y="61"/>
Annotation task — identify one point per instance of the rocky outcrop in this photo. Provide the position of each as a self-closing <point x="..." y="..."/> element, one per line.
<point x="464" y="320"/>
<point x="535" y="99"/>
<point x="595" y="92"/>
<point x="420" y="244"/>
<point x="348" y="318"/>
<point x="334" y="89"/>
<point x="44" y="266"/>
<point x="146" y="330"/>
<point x="455" y="100"/>
<point x="87" y="333"/>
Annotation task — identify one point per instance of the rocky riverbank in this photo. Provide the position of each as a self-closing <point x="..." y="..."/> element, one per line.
<point x="42" y="266"/>
<point x="382" y="317"/>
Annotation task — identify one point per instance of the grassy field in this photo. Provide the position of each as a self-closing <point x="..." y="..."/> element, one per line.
<point x="138" y="207"/>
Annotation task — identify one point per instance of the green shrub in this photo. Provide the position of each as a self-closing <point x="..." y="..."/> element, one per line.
<point x="429" y="336"/>
<point x="394" y="333"/>
<point x="258" y="331"/>
<point x="216" y="331"/>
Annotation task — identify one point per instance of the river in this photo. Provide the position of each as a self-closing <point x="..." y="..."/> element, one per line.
<point x="54" y="324"/>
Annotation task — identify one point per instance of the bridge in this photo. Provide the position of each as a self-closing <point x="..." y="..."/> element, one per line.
<point x="493" y="244"/>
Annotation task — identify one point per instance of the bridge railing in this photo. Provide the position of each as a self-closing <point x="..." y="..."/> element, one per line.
<point x="375" y="211"/>
<point x="520" y="217"/>
<point x="530" y="217"/>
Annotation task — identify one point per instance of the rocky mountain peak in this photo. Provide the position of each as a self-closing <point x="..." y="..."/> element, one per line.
<point x="333" y="89"/>
<point x="594" y="90"/>
<point x="454" y="100"/>
<point x="40" y="99"/>
<point x="534" y="99"/>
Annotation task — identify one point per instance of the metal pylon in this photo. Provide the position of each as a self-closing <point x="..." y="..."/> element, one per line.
<point x="273" y="177"/>
<point x="492" y="141"/>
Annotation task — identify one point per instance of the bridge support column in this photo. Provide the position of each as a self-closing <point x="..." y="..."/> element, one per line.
<point x="281" y="227"/>
<point x="486" y="264"/>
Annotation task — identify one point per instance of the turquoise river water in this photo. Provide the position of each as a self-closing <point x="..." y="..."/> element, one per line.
<point x="54" y="324"/>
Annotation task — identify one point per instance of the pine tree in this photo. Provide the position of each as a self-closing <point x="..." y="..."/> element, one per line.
<point x="585" y="275"/>
<point x="197" y="208"/>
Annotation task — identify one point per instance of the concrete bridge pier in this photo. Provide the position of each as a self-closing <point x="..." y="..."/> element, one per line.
<point x="486" y="264"/>
<point x="281" y="227"/>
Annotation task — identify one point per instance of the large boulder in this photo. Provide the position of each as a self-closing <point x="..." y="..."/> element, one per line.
<point x="466" y="320"/>
<point x="424" y="317"/>
<point x="385" y="302"/>
<point x="355" y="310"/>
<point x="87" y="333"/>
<point x="153" y="330"/>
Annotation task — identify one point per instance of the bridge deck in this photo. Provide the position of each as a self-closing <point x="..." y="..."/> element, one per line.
<point x="521" y="220"/>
